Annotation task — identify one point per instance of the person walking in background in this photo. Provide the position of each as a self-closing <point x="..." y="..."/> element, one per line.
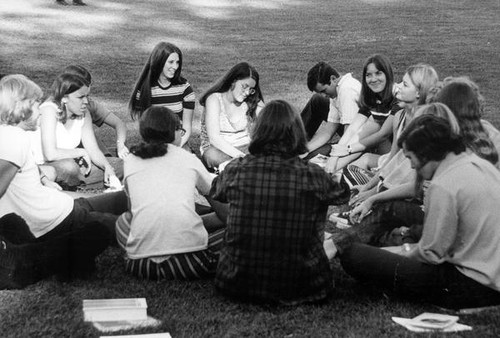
<point x="75" y="2"/>
<point x="161" y="84"/>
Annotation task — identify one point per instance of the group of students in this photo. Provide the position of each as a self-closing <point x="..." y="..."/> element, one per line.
<point x="264" y="238"/>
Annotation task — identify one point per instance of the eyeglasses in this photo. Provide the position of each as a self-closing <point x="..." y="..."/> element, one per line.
<point x="246" y="89"/>
<point x="182" y="130"/>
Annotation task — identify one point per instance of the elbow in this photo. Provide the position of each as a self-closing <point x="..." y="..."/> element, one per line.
<point x="50" y="156"/>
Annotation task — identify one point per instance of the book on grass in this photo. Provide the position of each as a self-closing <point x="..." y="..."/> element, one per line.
<point x="147" y="335"/>
<point x="112" y="310"/>
<point x="122" y="325"/>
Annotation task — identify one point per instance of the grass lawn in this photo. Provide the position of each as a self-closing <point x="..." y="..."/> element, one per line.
<point x="282" y="39"/>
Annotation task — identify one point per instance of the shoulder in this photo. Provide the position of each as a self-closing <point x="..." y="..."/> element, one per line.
<point x="213" y="99"/>
<point x="49" y="106"/>
<point x="348" y="81"/>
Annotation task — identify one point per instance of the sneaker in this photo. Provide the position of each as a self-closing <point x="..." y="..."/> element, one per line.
<point x="79" y="3"/>
<point x="61" y="2"/>
<point x="341" y="219"/>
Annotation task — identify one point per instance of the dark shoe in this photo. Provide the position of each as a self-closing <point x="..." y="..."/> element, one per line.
<point x="61" y="2"/>
<point x="8" y="266"/>
<point x="79" y="3"/>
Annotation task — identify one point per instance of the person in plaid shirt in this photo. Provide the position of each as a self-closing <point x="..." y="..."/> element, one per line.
<point x="273" y="250"/>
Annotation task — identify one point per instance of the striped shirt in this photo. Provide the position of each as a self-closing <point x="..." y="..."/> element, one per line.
<point x="174" y="97"/>
<point x="381" y="110"/>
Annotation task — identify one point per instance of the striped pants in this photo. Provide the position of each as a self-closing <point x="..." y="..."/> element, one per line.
<point x="183" y="266"/>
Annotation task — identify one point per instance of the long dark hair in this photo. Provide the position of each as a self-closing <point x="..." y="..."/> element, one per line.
<point x="368" y="98"/>
<point x="150" y="75"/>
<point x="63" y="85"/>
<point x="278" y="130"/>
<point x="463" y="101"/>
<point x="157" y="126"/>
<point x="240" y="71"/>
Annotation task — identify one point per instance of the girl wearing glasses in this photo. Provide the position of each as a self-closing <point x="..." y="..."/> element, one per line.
<point x="161" y="84"/>
<point x="231" y="106"/>
<point x="162" y="234"/>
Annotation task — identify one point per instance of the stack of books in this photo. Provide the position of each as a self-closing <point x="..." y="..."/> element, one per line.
<point x="109" y="315"/>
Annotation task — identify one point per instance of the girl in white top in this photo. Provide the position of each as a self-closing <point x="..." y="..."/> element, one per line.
<point x="231" y="106"/>
<point x="64" y="124"/>
<point x="162" y="234"/>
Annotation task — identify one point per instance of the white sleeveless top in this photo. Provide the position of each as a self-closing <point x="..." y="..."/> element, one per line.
<point x="235" y="132"/>
<point x="68" y="135"/>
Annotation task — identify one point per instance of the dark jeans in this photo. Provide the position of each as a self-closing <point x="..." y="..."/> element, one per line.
<point x="314" y="113"/>
<point x="441" y="284"/>
<point x="375" y="228"/>
<point x="67" y="252"/>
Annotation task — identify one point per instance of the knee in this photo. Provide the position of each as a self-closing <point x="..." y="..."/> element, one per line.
<point x="67" y="167"/>
<point x="213" y="157"/>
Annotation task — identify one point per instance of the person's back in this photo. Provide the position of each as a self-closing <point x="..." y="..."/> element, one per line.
<point x="161" y="192"/>
<point x="277" y="210"/>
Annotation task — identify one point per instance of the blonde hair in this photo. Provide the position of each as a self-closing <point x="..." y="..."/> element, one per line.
<point x="441" y="110"/>
<point x="17" y="96"/>
<point x="424" y="77"/>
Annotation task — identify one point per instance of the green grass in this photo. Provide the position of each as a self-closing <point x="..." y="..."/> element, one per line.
<point x="282" y="39"/>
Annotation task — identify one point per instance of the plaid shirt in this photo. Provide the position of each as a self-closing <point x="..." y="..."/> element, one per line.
<point x="274" y="238"/>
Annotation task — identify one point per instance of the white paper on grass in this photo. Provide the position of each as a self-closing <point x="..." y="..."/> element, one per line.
<point x="427" y="322"/>
<point x="147" y="335"/>
<point x="127" y="325"/>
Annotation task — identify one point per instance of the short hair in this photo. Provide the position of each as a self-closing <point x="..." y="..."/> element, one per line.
<point x="17" y="96"/>
<point x="78" y="70"/>
<point x="240" y="71"/>
<point x="63" y="85"/>
<point x="320" y="73"/>
<point x="430" y="138"/>
<point x="157" y="126"/>
<point x="140" y="99"/>
<point x="367" y="97"/>
<point x="424" y="77"/>
<point x="278" y="129"/>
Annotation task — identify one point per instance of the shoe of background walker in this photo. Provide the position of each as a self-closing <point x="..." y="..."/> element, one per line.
<point x="79" y="3"/>
<point x="62" y="2"/>
<point x="341" y="219"/>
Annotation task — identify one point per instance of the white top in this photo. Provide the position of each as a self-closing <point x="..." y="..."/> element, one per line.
<point x="68" y="135"/>
<point x="344" y="108"/>
<point x="233" y="131"/>
<point x="41" y="207"/>
<point x="161" y="192"/>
